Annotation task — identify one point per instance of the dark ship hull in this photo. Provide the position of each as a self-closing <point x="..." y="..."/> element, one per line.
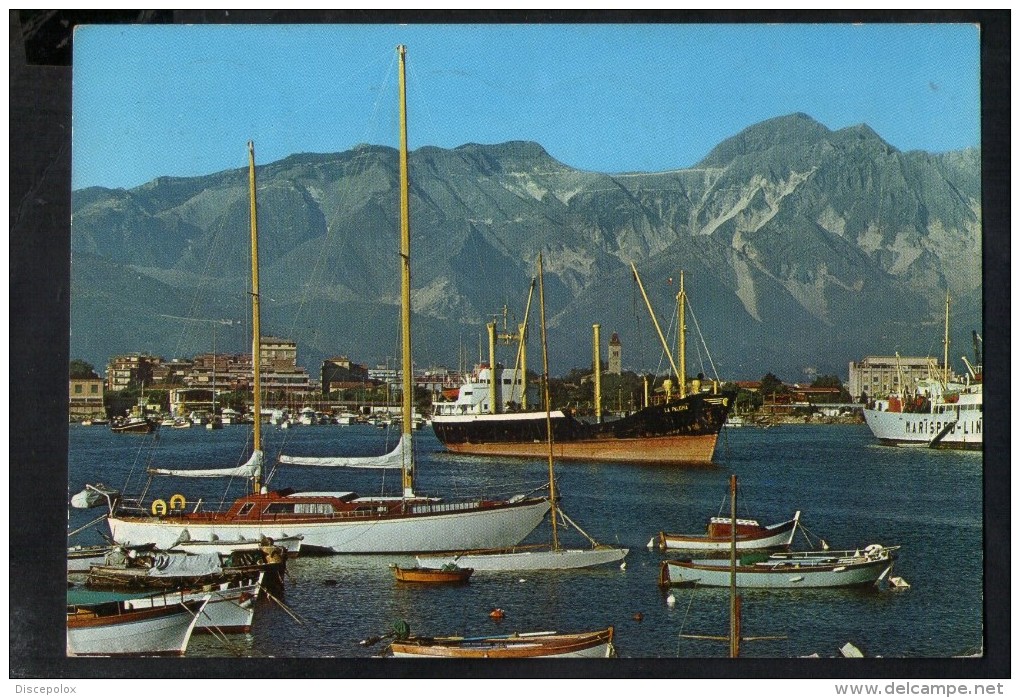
<point x="682" y="431"/>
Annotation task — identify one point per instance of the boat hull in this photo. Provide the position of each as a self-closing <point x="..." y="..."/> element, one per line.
<point x="684" y="431"/>
<point x="962" y="429"/>
<point x="595" y="645"/>
<point x="771" y="538"/>
<point x="147" y="632"/>
<point x="438" y="531"/>
<point x="426" y="575"/>
<point x="230" y="609"/>
<point x="526" y="560"/>
<point x="790" y="575"/>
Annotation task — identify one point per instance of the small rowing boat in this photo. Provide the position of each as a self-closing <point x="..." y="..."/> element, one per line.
<point x="447" y="574"/>
<point x="538" y="645"/>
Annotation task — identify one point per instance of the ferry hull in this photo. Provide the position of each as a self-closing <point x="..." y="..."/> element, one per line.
<point x="952" y="430"/>
<point x="496" y="527"/>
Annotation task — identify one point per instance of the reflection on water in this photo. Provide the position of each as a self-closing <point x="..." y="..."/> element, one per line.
<point x="850" y="491"/>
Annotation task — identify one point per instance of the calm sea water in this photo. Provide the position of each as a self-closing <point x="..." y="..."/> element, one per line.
<point x="851" y="491"/>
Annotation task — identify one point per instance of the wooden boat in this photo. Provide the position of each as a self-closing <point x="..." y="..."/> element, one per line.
<point x="161" y="570"/>
<point x="230" y="609"/>
<point x="751" y="535"/>
<point x="448" y="574"/>
<point x="537" y="645"/>
<point x="337" y="522"/>
<point x="114" y="629"/>
<point x="799" y="570"/>
<point x="553" y="556"/>
<point x="734" y="637"/>
<point x="81" y="558"/>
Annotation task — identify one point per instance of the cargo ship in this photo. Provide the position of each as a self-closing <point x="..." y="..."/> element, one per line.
<point x="490" y="416"/>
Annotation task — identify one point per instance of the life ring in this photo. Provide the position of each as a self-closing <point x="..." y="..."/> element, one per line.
<point x="158" y="507"/>
<point x="177" y="501"/>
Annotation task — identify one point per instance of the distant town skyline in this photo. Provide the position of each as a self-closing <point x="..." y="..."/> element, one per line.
<point x="181" y="100"/>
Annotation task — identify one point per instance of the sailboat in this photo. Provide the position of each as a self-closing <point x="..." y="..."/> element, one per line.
<point x="553" y="556"/>
<point x="341" y="521"/>
<point x="734" y="637"/>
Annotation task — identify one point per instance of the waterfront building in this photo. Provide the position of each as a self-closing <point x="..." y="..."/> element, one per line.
<point x="85" y="398"/>
<point x="878" y="376"/>
<point x="340" y="373"/>
<point x="130" y="369"/>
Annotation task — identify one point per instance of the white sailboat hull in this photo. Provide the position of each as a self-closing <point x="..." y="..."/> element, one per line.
<point x="780" y="572"/>
<point x="564" y="559"/>
<point x="229" y="609"/>
<point x="145" y="635"/>
<point x="474" y="528"/>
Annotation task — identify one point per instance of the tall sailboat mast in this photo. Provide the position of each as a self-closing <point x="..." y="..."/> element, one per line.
<point x="256" y="329"/>
<point x="548" y="408"/>
<point x="405" y="289"/>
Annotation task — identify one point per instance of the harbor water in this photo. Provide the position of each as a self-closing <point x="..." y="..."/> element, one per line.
<point x="851" y="491"/>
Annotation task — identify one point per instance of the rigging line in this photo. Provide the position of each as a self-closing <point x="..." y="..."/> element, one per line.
<point x="701" y="337"/>
<point x="342" y="201"/>
<point x="683" y="623"/>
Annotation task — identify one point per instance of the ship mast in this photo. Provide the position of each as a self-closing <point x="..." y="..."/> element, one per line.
<point x="548" y="408"/>
<point x="945" y="348"/>
<point x="655" y="322"/>
<point x="407" y="452"/>
<point x="681" y="324"/>
<point x="256" y="328"/>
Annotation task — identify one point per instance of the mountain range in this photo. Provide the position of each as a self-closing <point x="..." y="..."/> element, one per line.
<point x="802" y="248"/>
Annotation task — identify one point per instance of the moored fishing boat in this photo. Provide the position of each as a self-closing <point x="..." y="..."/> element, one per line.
<point x="230" y="608"/>
<point x="536" y="645"/>
<point x="160" y="570"/>
<point x="337" y="522"/>
<point x="114" y="629"/>
<point x="799" y="570"/>
<point x="132" y="425"/>
<point x="751" y="535"/>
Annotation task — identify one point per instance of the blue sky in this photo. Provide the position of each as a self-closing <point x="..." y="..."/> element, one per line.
<point x="181" y="100"/>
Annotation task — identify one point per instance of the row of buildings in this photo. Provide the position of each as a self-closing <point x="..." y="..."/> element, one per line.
<point x="195" y="382"/>
<point x="283" y="380"/>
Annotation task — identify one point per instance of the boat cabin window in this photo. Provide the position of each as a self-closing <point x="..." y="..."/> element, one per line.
<point x="245" y="508"/>
<point x="299" y="508"/>
<point x="313" y="508"/>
